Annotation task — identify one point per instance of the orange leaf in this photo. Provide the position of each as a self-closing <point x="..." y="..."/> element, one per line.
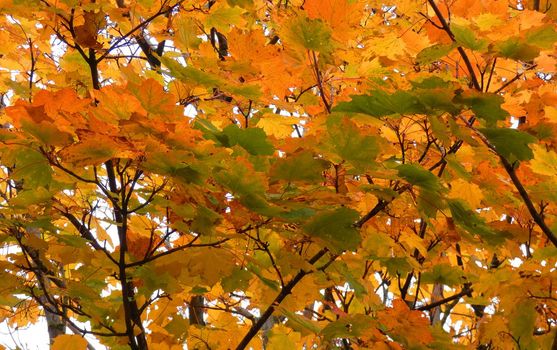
<point x="69" y="342"/>
<point x="339" y="14"/>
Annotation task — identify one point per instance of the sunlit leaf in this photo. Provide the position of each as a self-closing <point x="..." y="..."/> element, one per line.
<point x="69" y="342"/>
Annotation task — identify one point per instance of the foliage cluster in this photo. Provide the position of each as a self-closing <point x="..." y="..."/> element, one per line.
<point x="286" y="174"/>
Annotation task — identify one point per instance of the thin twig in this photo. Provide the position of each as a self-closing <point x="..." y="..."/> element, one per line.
<point x="461" y="51"/>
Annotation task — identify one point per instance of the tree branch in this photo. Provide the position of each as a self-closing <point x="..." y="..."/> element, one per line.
<point x="466" y="291"/>
<point x="173" y="250"/>
<point x="461" y="51"/>
<point x="162" y="11"/>
<point x="87" y="234"/>
<point x="280" y="297"/>
<point x="509" y="168"/>
<point x="538" y="219"/>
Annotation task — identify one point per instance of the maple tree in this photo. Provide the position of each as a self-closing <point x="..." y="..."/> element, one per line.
<point x="335" y="174"/>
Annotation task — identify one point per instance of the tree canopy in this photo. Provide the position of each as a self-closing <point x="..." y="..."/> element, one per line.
<point x="280" y="174"/>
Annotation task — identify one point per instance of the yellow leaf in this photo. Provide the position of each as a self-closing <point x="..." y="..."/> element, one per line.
<point x="186" y="35"/>
<point x="283" y="338"/>
<point x="467" y="191"/>
<point x="544" y="162"/>
<point x="69" y="342"/>
<point x="388" y="45"/>
<point x="416" y="242"/>
<point x="276" y="125"/>
<point x="140" y="225"/>
<point x="486" y="21"/>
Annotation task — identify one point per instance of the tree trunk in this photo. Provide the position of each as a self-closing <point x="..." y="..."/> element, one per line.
<point x="196" y="310"/>
<point x="437" y="294"/>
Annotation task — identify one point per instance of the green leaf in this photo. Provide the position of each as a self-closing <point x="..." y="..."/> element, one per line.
<point x="280" y="337"/>
<point x="468" y="38"/>
<point x="517" y="49"/>
<point x="511" y="144"/>
<point x="351" y="144"/>
<point x="152" y="279"/>
<point x="336" y="229"/>
<point x="544" y="162"/>
<point x="6" y="135"/>
<point x="187" y="174"/>
<point x="543" y="253"/>
<point x="300" y="323"/>
<point x="439" y="130"/>
<point x="26" y="3"/>
<point x="31" y="167"/>
<point x="274" y="285"/>
<point x="72" y="240"/>
<point x="385" y="193"/>
<point x="351" y="326"/>
<point x="223" y="17"/>
<point x="312" y="34"/>
<point x="470" y="221"/>
<point x="209" y="131"/>
<point x="238" y="280"/>
<point x="485" y="105"/>
<point x="430" y="198"/>
<point x="252" y="92"/>
<point x="180" y="164"/>
<point x="190" y="75"/>
<point x="297" y="214"/>
<point x="29" y="197"/>
<point x="47" y="133"/>
<point x="178" y="327"/>
<point x="252" y="140"/>
<point x="247" y="186"/>
<point x="457" y="167"/>
<point x="380" y="103"/>
<point x="522" y="322"/>
<point x="241" y="3"/>
<point x="439" y="99"/>
<point x="432" y="82"/>
<point x="301" y="166"/>
<point x="396" y="265"/>
<point x="443" y="274"/>
<point x="352" y="280"/>
<point x="544" y="36"/>
<point x="205" y="220"/>
<point x="73" y="61"/>
<point x="434" y="53"/>
<point x="199" y="290"/>
<point x="418" y="176"/>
